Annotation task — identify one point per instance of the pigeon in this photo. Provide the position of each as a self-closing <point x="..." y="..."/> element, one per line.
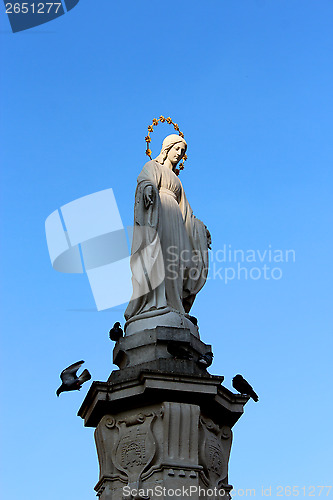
<point x="241" y="385"/>
<point x="193" y="320"/>
<point x="116" y="332"/>
<point x="178" y="351"/>
<point x="70" y="381"/>
<point x="206" y="360"/>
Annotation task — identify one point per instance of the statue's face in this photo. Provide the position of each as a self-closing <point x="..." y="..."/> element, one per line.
<point x="176" y="153"/>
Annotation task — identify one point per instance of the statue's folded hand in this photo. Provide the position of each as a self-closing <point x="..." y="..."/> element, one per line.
<point x="148" y="196"/>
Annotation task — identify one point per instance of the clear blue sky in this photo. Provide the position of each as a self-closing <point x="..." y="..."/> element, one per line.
<point x="250" y="83"/>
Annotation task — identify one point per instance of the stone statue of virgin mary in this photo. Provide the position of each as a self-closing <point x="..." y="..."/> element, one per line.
<point x="169" y="257"/>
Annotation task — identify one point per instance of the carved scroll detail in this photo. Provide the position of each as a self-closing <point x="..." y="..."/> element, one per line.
<point x="126" y="446"/>
<point x="215" y="452"/>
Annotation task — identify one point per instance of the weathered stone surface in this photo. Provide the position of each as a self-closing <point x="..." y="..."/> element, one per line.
<point x="141" y="386"/>
<point x="151" y="344"/>
<point x="155" y="319"/>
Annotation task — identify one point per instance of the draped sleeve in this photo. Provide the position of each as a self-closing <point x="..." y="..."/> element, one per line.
<point x="146" y="255"/>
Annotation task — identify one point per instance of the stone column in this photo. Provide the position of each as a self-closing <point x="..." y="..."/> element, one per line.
<point x="161" y="423"/>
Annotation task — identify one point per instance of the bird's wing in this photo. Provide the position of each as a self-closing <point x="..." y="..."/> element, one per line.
<point x="247" y="388"/>
<point x="254" y="395"/>
<point x="240" y="384"/>
<point x="85" y="375"/>
<point x="69" y="373"/>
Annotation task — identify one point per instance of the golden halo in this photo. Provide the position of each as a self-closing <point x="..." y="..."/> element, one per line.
<point x="151" y="129"/>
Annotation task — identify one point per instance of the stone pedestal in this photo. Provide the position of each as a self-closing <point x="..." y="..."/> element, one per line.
<point x="161" y="423"/>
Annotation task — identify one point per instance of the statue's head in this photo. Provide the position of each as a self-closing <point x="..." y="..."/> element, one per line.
<point x="173" y="147"/>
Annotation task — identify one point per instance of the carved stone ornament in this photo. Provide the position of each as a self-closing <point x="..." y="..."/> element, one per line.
<point x="126" y="447"/>
<point x="215" y="452"/>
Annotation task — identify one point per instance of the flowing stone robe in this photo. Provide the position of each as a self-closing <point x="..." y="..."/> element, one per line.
<point x="169" y="258"/>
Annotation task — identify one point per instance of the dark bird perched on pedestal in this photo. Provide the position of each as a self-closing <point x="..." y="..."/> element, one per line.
<point x="206" y="360"/>
<point x="70" y="381"/>
<point x="241" y="385"/>
<point x="116" y="332"/>
<point x="178" y="351"/>
<point x="193" y="319"/>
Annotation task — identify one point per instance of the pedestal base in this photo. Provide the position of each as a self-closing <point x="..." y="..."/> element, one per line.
<point x="166" y="447"/>
<point x="162" y="424"/>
